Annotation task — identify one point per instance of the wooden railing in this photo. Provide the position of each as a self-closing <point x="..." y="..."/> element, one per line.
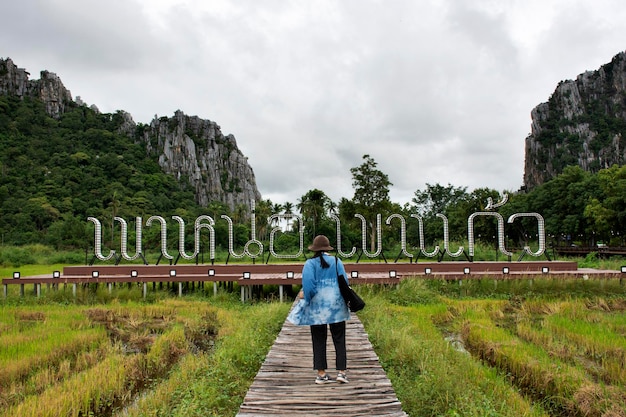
<point x="249" y="275"/>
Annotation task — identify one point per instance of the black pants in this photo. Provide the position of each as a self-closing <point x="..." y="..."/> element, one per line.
<point x="319" y="335"/>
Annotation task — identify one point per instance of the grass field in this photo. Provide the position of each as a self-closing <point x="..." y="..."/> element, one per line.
<point x="519" y="348"/>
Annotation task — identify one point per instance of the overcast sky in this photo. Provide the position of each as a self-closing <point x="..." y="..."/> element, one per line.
<point x="436" y="91"/>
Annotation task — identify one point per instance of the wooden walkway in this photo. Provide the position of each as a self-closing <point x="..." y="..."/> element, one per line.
<point x="284" y="386"/>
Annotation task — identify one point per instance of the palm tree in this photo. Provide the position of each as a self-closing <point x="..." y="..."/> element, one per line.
<point x="313" y="207"/>
<point x="240" y="213"/>
<point x="288" y="209"/>
<point x="115" y="207"/>
<point x="276" y="210"/>
<point x="332" y="207"/>
<point x="215" y="208"/>
<point x="263" y="211"/>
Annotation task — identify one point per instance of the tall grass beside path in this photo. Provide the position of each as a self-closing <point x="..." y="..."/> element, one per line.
<point x="430" y="377"/>
<point x="214" y="385"/>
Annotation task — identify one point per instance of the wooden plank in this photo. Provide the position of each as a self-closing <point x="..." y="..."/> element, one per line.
<point x="284" y="386"/>
<point x="368" y="273"/>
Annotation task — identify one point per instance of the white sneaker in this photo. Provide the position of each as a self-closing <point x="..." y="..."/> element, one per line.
<point x="323" y="379"/>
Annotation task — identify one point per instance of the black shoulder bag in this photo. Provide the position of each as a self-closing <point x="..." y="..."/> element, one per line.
<point x="352" y="299"/>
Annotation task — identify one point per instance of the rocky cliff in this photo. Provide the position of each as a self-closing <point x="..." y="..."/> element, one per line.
<point x="187" y="147"/>
<point x="49" y="88"/>
<point x="583" y="123"/>
<point x="194" y="148"/>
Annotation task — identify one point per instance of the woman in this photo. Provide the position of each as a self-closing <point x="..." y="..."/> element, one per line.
<point x="322" y="306"/>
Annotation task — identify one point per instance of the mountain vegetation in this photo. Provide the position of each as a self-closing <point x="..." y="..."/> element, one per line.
<point x="61" y="164"/>
<point x="56" y="173"/>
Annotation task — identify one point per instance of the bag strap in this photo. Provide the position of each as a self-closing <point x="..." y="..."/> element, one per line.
<point x="337" y="266"/>
<point x="337" y="269"/>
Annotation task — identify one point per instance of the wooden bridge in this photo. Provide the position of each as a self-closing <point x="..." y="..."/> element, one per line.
<point x="247" y="276"/>
<point x="284" y="386"/>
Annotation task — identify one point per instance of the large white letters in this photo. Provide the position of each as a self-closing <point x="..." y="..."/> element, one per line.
<point x="206" y="222"/>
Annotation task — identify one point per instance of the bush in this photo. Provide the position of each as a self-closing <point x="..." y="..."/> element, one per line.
<point x="16" y="256"/>
<point x="69" y="258"/>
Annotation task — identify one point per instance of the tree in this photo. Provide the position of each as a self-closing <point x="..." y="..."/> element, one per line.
<point x="276" y="209"/>
<point x="485" y="228"/>
<point x="313" y="206"/>
<point x="371" y="193"/>
<point x="606" y="212"/>
<point x="288" y="210"/>
<point x="263" y="211"/>
<point x="600" y="219"/>
<point x="562" y="201"/>
<point x="437" y="199"/>
<point x="216" y="209"/>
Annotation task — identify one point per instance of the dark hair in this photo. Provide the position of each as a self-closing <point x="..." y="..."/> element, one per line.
<point x="323" y="262"/>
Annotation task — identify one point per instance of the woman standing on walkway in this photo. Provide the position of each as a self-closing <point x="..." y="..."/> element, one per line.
<point x="322" y="306"/>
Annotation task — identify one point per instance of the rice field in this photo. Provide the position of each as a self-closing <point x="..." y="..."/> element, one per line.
<point x="545" y="348"/>
<point x="554" y="354"/>
<point x="127" y="358"/>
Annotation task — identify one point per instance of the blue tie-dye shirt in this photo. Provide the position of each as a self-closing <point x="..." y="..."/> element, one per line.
<point x="322" y="303"/>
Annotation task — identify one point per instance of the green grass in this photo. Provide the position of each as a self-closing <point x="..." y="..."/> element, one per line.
<point x="215" y="385"/>
<point x="515" y="332"/>
<point x="430" y="377"/>
<point x="506" y="373"/>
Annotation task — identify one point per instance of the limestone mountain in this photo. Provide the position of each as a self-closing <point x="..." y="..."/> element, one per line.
<point x="49" y="88"/>
<point x="583" y="123"/>
<point x="189" y="148"/>
<point x="196" y="149"/>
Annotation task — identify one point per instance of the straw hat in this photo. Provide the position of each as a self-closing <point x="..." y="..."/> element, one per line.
<point x="320" y="242"/>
